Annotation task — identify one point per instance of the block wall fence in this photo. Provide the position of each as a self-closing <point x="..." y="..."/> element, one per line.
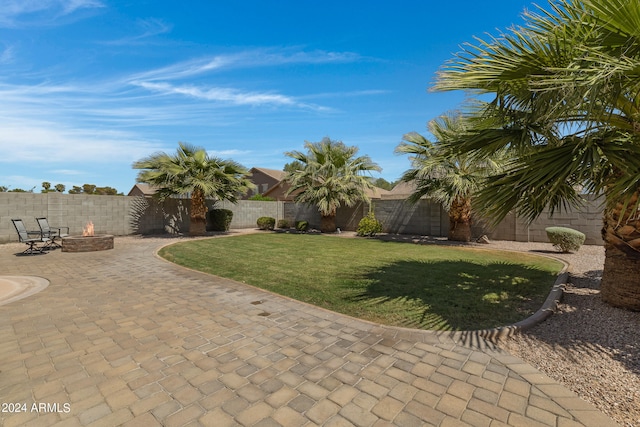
<point x="124" y="215"/>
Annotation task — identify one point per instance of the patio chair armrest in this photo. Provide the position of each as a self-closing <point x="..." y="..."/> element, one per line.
<point x="58" y="230"/>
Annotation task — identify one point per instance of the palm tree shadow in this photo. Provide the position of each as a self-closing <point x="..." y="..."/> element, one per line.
<point x="479" y="296"/>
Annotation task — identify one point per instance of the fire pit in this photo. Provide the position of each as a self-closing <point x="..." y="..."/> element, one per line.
<point x="88" y="242"/>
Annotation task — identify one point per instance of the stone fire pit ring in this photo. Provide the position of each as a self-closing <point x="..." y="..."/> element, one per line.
<point x="99" y="242"/>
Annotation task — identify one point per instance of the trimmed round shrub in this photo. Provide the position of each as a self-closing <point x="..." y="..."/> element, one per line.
<point x="283" y="223"/>
<point x="302" y="225"/>
<point x="220" y="219"/>
<point x="369" y="226"/>
<point x="565" y="239"/>
<point x="266" y="223"/>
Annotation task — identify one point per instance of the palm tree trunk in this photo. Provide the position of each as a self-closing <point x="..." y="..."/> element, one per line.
<point x="328" y="223"/>
<point x="198" y="214"/>
<point x="460" y="220"/>
<point x="620" y="284"/>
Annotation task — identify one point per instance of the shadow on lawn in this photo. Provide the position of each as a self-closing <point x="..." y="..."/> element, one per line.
<point x="422" y="294"/>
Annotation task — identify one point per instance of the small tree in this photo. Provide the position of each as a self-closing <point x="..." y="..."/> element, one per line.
<point x="293" y="166"/>
<point x="384" y="184"/>
<point x="192" y="171"/>
<point x="331" y="176"/>
<point x="446" y="177"/>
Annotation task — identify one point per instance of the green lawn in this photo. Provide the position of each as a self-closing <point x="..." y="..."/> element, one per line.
<point x="402" y="284"/>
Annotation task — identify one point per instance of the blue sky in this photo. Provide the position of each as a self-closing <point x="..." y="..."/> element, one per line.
<point x="87" y="87"/>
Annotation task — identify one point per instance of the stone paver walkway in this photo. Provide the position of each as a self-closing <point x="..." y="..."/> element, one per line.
<point x="123" y="338"/>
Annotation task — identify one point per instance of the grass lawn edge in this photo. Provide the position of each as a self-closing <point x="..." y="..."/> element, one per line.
<point x="472" y="336"/>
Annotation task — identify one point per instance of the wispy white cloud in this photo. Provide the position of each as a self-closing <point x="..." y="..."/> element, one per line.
<point x="349" y="94"/>
<point x="228" y="153"/>
<point x="67" y="171"/>
<point x="7" y="55"/>
<point x="148" y="28"/>
<point x="14" y="13"/>
<point x="47" y="143"/>
<point x="244" y="59"/>
<point x="159" y="80"/>
<point x="232" y="96"/>
<point x="70" y="6"/>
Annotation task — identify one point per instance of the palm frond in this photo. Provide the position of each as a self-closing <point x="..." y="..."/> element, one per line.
<point x="332" y="175"/>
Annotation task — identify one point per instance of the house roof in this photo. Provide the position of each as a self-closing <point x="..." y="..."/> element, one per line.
<point x="377" y="192"/>
<point x="273" y="173"/>
<point x="145" y="189"/>
<point x="402" y="190"/>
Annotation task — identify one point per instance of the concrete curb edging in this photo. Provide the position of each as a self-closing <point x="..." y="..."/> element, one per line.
<point x="472" y="338"/>
<point x="14" y="288"/>
<point x="548" y="308"/>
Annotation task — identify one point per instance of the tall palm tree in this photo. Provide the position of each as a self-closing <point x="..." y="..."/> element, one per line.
<point x="566" y="99"/>
<point x="331" y="175"/>
<point x="448" y="178"/>
<point x="192" y="171"/>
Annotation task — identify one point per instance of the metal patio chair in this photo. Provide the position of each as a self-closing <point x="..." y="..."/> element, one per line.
<point x="53" y="233"/>
<point x="25" y="237"/>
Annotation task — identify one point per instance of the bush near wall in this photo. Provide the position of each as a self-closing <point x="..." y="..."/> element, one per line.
<point x="266" y="223"/>
<point x="283" y="223"/>
<point x="220" y="219"/>
<point x="369" y="226"/>
<point x="565" y="239"/>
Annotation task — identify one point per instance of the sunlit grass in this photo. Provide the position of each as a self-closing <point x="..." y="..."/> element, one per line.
<point x="417" y="286"/>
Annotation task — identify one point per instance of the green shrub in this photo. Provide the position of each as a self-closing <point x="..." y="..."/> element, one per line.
<point x="283" y="223"/>
<point x="261" y="198"/>
<point x="266" y="223"/>
<point x="302" y="225"/>
<point x="565" y="239"/>
<point x="220" y="219"/>
<point x="369" y="226"/>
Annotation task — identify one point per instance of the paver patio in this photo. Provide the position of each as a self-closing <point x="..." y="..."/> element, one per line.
<point x="122" y="337"/>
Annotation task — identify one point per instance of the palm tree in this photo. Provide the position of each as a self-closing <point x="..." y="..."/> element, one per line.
<point x="565" y="90"/>
<point x="192" y="171"/>
<point x="331" y="175"/>
<point x="448" y="178"/>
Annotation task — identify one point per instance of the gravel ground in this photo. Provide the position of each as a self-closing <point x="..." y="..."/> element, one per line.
<point x="588" y="346"/>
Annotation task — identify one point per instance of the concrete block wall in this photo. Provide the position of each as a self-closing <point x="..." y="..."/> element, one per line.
<point x="24" y="206"/>
<point x="298" y="212"/>
<point x="109" y="214"/>
<point x="348" y="218"/>
<point x="122" y="215"/>
<point x="151" y="216"/>
<point x="247" y="212"/>
<point x="400" y="217"/>
<point x="587" y="220"/>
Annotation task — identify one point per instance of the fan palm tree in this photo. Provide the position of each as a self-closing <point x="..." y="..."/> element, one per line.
<point x="331" y="175"/>
<point x="192" y="171"/>
<point x="565" y="90"/>
<point x="448" y="178"/>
